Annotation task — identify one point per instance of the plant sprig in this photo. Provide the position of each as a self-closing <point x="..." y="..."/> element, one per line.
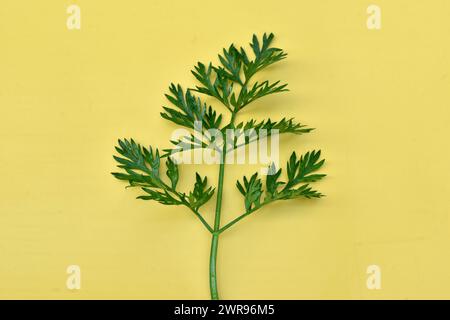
<point x="230" y="83"/>
<point x="142" y="167"/>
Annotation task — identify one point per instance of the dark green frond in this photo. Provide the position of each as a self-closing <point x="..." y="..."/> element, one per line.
<point x="251" y="190"/>
<point x="283" y="126"/>
<point x="162" y="197"/>
<point x="219" y="81"/>
<point x="141" y="169"/>
<point x="232" y="63"/>
<point x="252" y="130"/>
<point x="303" y="191"/>
<point x="299" y="171"/>
<point x="272" y="183"/>
<point x="190" y="110"/>
<point x="187" y="143"/>
<point x="259" y="90"/>
<point x="214" y="82"/>
<point x="172" y="172"/>
<point x="265" y="55"/>
<point x="201" y="193"/>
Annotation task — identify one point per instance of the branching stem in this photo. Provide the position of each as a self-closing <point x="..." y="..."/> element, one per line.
<point x="215" y="236"/>
<point x="202" y="220"/>
<point x="242" y="216"/>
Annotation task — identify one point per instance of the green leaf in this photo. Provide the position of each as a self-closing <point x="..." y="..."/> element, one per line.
<point x="137" y="160"/>
<point x="214" y="82"/>
<point x="211" y="119"/>
<point x="258" y="91"/>
<point x="265" y="55"/>
<point x="251" y="190"/>
<point x="272" y="183"/>
<point x="201" y="193"/>
<point x="303" y="191"/>
<point x="283" y="126"/>
<point x="187" y="143"/>
<point x="301" y="171"/>
<point x="232" y="63"/>
<point x="219" y="81"/>
<point x="253" y="130"/>
<point x="172" y="172"/>
<point x="190" y="110"/>
<point x="141" y="169"/>
<point x="162" y="197"/>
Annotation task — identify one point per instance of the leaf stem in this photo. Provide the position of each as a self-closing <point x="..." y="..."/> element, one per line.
<point x="201" y="219"/>
<point x="242" y="216"/>
<point x="212" y="267"/>
<point x="215" y="237"/>
<point x="183" y="201"/>
<point x="215" y="233"/>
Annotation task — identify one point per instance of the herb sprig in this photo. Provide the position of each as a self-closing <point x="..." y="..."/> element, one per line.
<point x="230" y="84"/>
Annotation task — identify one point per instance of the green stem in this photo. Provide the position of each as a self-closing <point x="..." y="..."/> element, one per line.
<point x="216" y="232"/>
<point x="242" y="216"/>
<point x="238" y="219"/>
<point x="212" y="267"/>
<point x="202" y="220"/>
<point x="215" y="237"/>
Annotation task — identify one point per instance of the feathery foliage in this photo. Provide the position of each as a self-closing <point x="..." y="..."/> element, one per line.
<point x="230" y="83"/>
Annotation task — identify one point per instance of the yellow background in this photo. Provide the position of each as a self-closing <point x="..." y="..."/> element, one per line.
<point x="379" y="101"/>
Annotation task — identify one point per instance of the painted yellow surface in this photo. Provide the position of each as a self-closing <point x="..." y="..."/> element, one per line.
<point x="378" y="98"/>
